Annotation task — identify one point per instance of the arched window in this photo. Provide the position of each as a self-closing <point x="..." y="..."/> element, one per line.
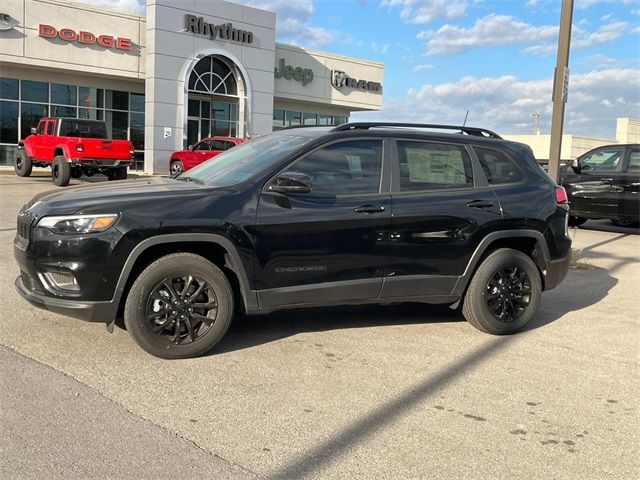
<point x="213" y="76"/>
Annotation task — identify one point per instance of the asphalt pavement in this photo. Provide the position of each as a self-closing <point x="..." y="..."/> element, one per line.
<point x="406" y="391"/>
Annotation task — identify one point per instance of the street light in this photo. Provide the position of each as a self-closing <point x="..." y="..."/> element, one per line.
<point x="536" y="117"/>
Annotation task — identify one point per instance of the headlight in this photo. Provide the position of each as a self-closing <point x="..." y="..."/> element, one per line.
<point x="78" y="223"/>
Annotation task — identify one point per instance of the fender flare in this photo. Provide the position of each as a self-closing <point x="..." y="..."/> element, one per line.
<point x="541" y="246"/>
<point x="26" y="146"/>
<point x="249" y="297"/>
<point x="65" y="151"/>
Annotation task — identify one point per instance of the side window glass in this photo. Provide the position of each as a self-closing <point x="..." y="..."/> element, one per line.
<point x="50" y="126"/>
<point x="605" y="160"/>
<point x="229" y="145"/>
<point x="217" y="145"/>
<point x="498" y="167"/>
<point x="204" y="145"/>
<point x="428" y="166"/>
<point x="41" y="127"/>
<point x="634" y="160"/>
<point x="351" y="167"/>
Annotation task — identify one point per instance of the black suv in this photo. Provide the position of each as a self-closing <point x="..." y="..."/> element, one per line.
<point x="605" y="183"/>
<point x="360" y="213"/>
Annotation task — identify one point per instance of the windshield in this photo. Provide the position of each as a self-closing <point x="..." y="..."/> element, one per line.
<point x="244" y="161"/>
<point x="82" y="129"/>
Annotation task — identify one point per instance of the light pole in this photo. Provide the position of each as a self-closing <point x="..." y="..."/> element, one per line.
<point x="560" y="88"/>
<point x="536" y="117"/>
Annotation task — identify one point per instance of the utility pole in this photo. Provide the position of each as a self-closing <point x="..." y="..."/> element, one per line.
<point x="560" y="88"/>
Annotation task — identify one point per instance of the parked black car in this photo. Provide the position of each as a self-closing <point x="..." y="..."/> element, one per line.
<point x="360" y="213"/>
<point x="605" y="183"/>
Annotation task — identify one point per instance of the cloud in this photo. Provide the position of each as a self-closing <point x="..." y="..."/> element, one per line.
<point x="426" y="11"/>
<point x="422" y="68"/>
<point x="491" y="30"/>
<point x="379" y="48"/>
<point x="133" y="6"/>
<point x="585" y="4"/>
<point x="505" y="103"/>
<point x="293" y="22"/>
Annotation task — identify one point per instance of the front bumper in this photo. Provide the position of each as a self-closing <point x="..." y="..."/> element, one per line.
<point x="556" y="272"/>
<point x="88" y="311"/>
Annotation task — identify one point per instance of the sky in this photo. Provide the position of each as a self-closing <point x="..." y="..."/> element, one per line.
<point x="492" y="58"/>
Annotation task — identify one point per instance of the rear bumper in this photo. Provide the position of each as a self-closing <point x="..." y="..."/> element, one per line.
<point x="556" y="272"/>
<point x="101" y="162"/>
<point x="104" y="312"/>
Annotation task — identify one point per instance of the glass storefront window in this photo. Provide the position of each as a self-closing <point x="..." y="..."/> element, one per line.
<point x="278" y="118"/>
<point x="117" y="124"/>
<point x="63" y="111"/>
<point x="220" y="111"/>
<point x="8" y="122"/>
<point x="293" y="118"/>
<point x="136" y="130"/>
<point x="91" y="97"/>
<point x="8" y="88"/>
<point x="204" y="128"/>
<point x="206" y="109"/>
<point x="91" y="114"/>
<point x="116" y="100"/>
<point x="35" y="91"/>
<point x="137" y="102"/>
<point x="324" y="119"/>
<point x="339" y="120"/>
<point x="64" y="94"/>
<point x="30" y="114"/>
<point x="310" y="118"/>
<point x="194" y="108"/>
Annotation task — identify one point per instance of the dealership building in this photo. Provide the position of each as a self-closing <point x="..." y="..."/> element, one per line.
<point x="189" y="69"/>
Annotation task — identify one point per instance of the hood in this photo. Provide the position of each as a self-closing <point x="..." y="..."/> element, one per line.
<point x="91" y="197"/>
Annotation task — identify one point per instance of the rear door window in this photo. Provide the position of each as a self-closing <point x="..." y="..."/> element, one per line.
<point x="50" y="127"/>
<point x="429" y="166"/>
<point x="498" y="167"/>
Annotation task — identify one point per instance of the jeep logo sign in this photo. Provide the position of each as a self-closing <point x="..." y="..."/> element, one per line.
<point x="340" y="79"/>
<point x="299" y="74"/>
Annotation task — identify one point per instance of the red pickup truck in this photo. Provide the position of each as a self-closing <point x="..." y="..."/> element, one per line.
<point x="73" y="147"/>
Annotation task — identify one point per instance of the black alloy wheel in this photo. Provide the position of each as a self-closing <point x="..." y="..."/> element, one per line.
<point x="508" y="293"/>
<point x="182" y="310"/>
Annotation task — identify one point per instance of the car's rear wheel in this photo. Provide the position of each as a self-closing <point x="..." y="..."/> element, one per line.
<point x="624" y="222"/>
<point x="60" y="171"/>
<point x="576" y="221"/>
<point x="22" y="163"/>
<point x="504" y="293"/>
<point x="176" y="168"/>
<point x="179" y="307"/>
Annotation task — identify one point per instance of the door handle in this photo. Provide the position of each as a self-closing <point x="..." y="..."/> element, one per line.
<point x="368" y="209"/>
<point x="606" y="180"/>
<point x="480" y="204"/>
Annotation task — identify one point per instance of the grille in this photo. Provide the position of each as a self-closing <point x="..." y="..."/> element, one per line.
<point x="25" y="222"/>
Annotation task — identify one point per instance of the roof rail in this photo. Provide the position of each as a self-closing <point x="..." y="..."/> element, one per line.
<point x="474" y="131"/>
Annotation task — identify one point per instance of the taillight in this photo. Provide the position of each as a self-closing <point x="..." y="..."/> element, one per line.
<point x="79" y="148"/>
<point x="561" y="195"/>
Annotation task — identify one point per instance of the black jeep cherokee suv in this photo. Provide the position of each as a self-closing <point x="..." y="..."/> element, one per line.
<point x="360" y="213"/>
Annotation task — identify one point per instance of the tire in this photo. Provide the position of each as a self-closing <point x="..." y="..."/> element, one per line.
<point x="624" y="222"/>
<point x="482" y="305"/>
<point x="151" y="303"/>
<point x="176" y="168"/>
<point x="576" y="221"/>
<point x="22" y="163"/>
<point x="118" y="173"/>
<point x="60" y="171"/>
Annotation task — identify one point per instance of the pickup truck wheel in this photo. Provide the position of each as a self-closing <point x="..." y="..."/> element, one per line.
<point x="176" y="168"/>
<point x="504" y="293"/>
<point x="60" y="171"/>
<point x="179" y="307"/>
<point x="118" y="173"/>
<point x="22" y="163"/>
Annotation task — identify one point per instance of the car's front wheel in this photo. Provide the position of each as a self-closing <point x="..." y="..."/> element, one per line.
<point x="22" y="163"/>
<point x="504" y="293"/>
<point x="624" y="222"/>
<point x="176" y="168"/>
<point x="179" y="307"/>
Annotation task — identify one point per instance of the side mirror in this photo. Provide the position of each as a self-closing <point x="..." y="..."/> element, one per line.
<point x="190" y="147"/>
<point x="575" y="166"/>
<point x="34" y="131"/>
<point x="291" y="182"/>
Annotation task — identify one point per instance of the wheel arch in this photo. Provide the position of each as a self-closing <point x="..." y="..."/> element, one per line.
<point x="530" y="242"/>
<point x="215" y="248"/>
<point x="61" y="150"/>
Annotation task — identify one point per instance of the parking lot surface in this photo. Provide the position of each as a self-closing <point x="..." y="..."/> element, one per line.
<point x="406" y="391"/>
